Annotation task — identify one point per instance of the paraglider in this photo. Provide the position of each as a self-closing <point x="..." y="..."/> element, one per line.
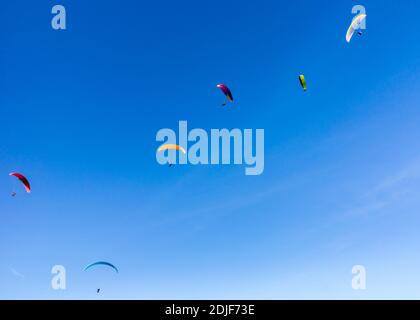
<point x="172" y="147"/>
<point x="302" y="81"/>
<point x="354" y="26"/>
<point x="22" y="179"/>
<point x="226" y="92"/>
<point x="102" y="263"/>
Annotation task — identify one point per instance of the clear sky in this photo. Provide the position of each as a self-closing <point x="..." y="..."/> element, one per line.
<point x="80" y="109"/>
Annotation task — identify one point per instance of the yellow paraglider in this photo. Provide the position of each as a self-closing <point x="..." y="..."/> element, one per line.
<point x="303" y="82"/>
<point x="172" y="147"/>
<point x="355" y="25"/>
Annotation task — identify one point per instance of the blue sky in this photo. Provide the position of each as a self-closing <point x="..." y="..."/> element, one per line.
<point x="80" y="109"/>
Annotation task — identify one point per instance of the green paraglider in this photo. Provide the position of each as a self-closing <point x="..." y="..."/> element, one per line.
<point x="302" y="81"/>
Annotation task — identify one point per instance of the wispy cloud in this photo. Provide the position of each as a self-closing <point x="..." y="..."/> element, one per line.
<point x="389" y="190"/>
<point x="17" y="274"/>
<point x="404" y="175"/>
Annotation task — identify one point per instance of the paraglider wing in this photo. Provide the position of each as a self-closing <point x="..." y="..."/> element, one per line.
<point x="22" y="179"/>
<point x="102" y="263"/>
<point x="172" y="147"/>
<point x="303" y="82"/>
<point x="226" y="91"/>
<point x="355" y="24"/>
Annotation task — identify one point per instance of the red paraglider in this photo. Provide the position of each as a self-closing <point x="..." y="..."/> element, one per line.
<point x="226" y="91"/>
<point x="22" y="179"/>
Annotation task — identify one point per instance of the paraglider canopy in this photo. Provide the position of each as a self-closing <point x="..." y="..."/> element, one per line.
<point x="302" y="81"/>
<point x="172" y="147"/>
<point x="22" y="179"/>
<point x="226" y="91"/>
<point x="355" y="25"/>
<point x="102" y="263"/>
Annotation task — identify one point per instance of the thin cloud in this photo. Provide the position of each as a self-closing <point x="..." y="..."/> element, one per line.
<point x="408" y="173"/>
<point x="390" y="190"/>
<point x="17" y="274"/>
